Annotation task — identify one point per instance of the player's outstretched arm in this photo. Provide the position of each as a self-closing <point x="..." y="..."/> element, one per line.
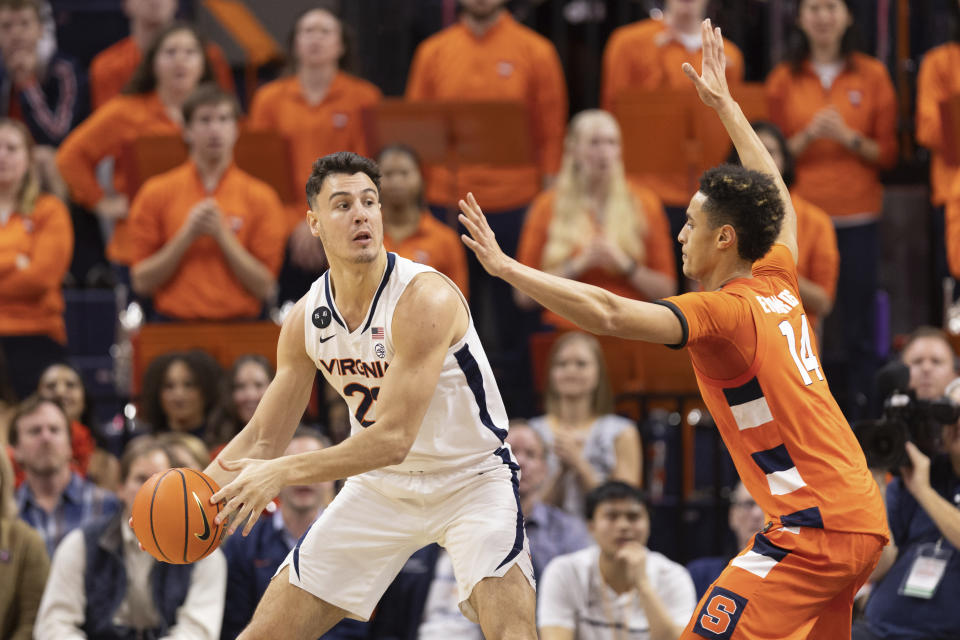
<point x="712" y="87"/>
<point x="594" y="309"/>
<point x="280" y="410"/>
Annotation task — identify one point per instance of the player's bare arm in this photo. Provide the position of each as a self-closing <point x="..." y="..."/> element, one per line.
<point x="594" y="309"/>
<point x="429" y="318"/>
<point x="712" y="87"/>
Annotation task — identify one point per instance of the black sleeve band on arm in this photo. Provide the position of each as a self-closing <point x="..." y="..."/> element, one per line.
<point x="684" y="327"/>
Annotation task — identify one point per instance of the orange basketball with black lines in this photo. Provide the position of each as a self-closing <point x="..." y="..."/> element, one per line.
<point x="173" y="518"/>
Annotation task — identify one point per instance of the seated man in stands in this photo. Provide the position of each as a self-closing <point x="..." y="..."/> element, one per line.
<point x="102" y="585"/>
<point x="207" y="238"/>
<point x="52" y="499"/>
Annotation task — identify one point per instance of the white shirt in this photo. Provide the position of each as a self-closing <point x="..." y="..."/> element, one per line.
<point x="827" y="72"/>
<point x="574" y="596"/>
<point x="64" y="601"/>
<point x="442" y="618"/>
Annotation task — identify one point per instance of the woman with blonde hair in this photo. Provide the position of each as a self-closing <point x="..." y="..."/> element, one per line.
<point x="587" y="444"/>
<point x="23" y="556"/>
<point x="594" y="226"/>
<point x="36" y="244"/>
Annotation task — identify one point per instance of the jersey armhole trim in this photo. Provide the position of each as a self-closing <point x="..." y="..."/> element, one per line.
<point x="684" y="327"/>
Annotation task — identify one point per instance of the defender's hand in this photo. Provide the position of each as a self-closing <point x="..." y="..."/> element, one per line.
<point x="248" y="494"/>
<point x="481" y="240"/>
<point x="711" y="84"/>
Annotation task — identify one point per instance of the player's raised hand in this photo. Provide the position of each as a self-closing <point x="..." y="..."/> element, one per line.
<point x="247" y="495"/>
<point x="711" y="84"/>
<point x="481" y="240"/>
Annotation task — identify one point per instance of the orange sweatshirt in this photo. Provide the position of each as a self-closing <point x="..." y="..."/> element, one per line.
<point x="204" y="287"/>
<point x="437" y="245"/>
<point x="105" y="134"/>
<point x="509" y="62"/>
<point x="830" y="176"/>
<point x="657" y="243"/>
<point x="31" y="298"/>
<point x="314" y="130"/>
<point x="938" y="80"/>
<point x="112" y="68"/>
<point x="641" y="56"/>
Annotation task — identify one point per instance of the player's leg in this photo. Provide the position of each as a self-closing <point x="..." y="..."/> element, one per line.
<point x="506" y="606"/>
<point x="836" y="619"/>
<point x="300" y="614"/>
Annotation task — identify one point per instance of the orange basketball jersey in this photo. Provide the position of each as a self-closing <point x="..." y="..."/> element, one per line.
<point x="757" y="367"/>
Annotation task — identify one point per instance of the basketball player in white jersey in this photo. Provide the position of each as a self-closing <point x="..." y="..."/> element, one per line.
<point x="426" y="459"/>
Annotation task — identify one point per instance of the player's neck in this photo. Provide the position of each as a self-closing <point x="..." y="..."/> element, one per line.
<point x="47" y="488"/>
<point x="354" y="286"/>
<point x="721" y="276"/>
<point x="479" y="26"/>
<point x="400" y="221"/>
<point x="615" y="574"/>
<point x="143" y="33"/>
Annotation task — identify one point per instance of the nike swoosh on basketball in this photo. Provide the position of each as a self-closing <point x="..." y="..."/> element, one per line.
<point x="327" y="338"/>
<point x="203" y="514"/>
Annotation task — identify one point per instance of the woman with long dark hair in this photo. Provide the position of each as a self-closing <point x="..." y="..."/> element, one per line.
<point x="837" y="108"/>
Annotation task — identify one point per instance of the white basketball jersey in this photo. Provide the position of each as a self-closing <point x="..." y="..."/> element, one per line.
<point x="465" y="424"/>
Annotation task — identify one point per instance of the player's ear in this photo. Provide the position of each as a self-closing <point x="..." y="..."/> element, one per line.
<point x="313" y="221"/>
<point x="726" y="236"/>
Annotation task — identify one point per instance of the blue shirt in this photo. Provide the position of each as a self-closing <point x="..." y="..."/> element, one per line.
<point x="553" y="532"/>
<point x="81" y="503"/>
<point x="895" y="617"/>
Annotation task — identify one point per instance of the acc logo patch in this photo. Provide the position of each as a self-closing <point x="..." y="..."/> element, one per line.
<point x="321" y="317"/>
<point x="720" y="614"/>
<point x="380" y="350"/>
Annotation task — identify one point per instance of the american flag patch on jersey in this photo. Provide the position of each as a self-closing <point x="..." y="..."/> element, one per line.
<point x="376" y="333"/>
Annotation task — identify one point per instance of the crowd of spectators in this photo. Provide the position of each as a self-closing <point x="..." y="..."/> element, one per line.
<point x="206" y="241"/>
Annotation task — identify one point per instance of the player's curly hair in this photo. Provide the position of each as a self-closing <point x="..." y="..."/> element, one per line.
<point x="747" y="200"/>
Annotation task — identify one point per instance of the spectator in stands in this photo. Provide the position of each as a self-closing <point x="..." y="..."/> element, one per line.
<point x="25" y="565"/>
<point x="488" y="56"/>
<point x="36" y="243"/>
<point x="253" y="559"/>
<point x="618" y="584"/>
<point x="185" y="450"/>
<point x="171" y="69"/>
<point x="588" y="443"/>
<point x="62" y="383"/>
<point x="408" y="227"/>
<point x="53" y="499"/>
<point x="745" y="519"/>
<point x="648" y="55"/>
<point x="936" y="82"/>
<point x="837" y="109"/>
<point x="44" y="90"/>
<point x="551" y="531"/>
<point x="206" y="238"/>
<point x="923" y="511"/>
<point x="181" y="392"/>
<point x="112" y="68"/>
<point x="819" y="259"/>
<point x="595" y="227"/>
<point x="317" y="109"/>
<point x="932" y="362"/>
<point x="103" y="586"/>
<point x="8" y="401"/>
<point x="247" y="381"/>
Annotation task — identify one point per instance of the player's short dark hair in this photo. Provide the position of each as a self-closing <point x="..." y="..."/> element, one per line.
<point x="30" y="406"/>
<point x="209" y="94"/>
<point x="341" y="162"/>
<point x="610" y="491"/>
<point x="747" y="200"/>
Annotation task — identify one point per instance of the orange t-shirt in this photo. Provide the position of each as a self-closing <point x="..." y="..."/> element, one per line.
<point x="437" y="245"/>
<point x="204" y="287"/>
<point x="864" y="97"/>
<point x="819" y="256"/>
<point x="636" y="56"/>
<point x="509" y="62"/>
<point x="105" y="134"/>
<point x="314" y="130"/>
<point x="937" y="81"/>
<point x="658" y="246"/>
<point x="755" y="358"/>
<point x="31" y="299"/>
<point x="112" y="68"/>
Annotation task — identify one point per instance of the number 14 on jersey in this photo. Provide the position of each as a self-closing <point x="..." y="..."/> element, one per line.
<point x="805" y="359"/>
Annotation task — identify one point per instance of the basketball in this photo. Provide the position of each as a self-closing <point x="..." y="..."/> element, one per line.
<point x="173" y="518"/>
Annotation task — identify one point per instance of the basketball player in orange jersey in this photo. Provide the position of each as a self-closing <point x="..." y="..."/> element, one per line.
<point x="758" y="371"/>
